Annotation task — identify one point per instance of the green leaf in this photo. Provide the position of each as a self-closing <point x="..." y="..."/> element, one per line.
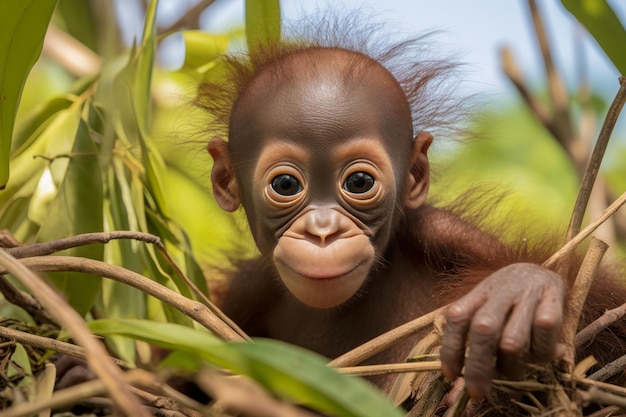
<point x="19" y="366"/>
<point x="27" y="131"/>
<point x="600" y="20"/>
<point x="202" y="48"/>
<point x="54" y="137"/>
<point x="167" y="335"/>
<point x="14" y="217"/>
<point x="76" y="209"/>
<point x="143" y="75"/>
<point x="23" y="28"/>
<point x="297" y="374"/>
<point x="288" y="371"/>
<point x="262" y="21"/>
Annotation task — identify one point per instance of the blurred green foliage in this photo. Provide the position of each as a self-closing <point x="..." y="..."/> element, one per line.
<point x="123" y="149"/>
<point x="21" y="39"/>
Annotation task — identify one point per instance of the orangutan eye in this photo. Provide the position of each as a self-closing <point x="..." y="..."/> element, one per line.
<point x="286" y="185"/>
<point x="359" y="183"/>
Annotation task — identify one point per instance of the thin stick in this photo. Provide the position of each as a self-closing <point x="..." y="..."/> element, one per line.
<point x="391" y="368"/>
<point x="511" y="70"/>
<point x="194" y="309"/>
<point x="595" y="395"/>
<point x="575" y="241"/>
<point x="70" y="53"/>
<point x="25" y="301"/>
<point x="610" y="369"/>
<point x="97" y="357"/>
<point x="190" y="19"/>
<point x="382" y="342"/>
<point x="609" y="317"/>
<point x="48" y="248"/>
<point x="556" y="88"/>
<point x="593" y="167"/>
<point x="50" y="344"/>
<point x="578" y="294"/>
<point x="76" y="393"/>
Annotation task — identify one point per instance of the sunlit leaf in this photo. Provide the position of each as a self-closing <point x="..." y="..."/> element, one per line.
<point x="55" y="137"/>
<point x="202" y="47"/>
<point x="600" y="20"/>
<point x="288" y="371"/>
<point x="167" y="335"/>
<point x="297" y="374"/>
<point x="78" y="209"/>
<point x="262" y="21"/>
<point x="143" y="74"/>
<point x="27" y="131"/>
<point x="23" y="27"/>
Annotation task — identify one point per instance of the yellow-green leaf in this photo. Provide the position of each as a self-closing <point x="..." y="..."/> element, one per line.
<point x="76" y="209"/>
<point x="202" y="48"/>
<point x="288" y="371"/>
<point x="600" y="20"/>
<point x="262" y="21"/>
<point x="23" y="28"/>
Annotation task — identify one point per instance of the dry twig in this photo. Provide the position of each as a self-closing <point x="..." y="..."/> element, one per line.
<point x="26" y="301"/>
<point x="97" y="358"/>
<point x="593" y="166"/>
<point x="382" y="342"/>
<point x="609" y="317"/>
<point x="190" y="19"/>
<point x="194" y="309"/>
<point x="48" y="248"/>
<point x="586" y="232"/>
<point x="47" y="343"/>
<point x="391" y="368"/>
<point x="578" y="294"/>
<point x="243" y="396"/>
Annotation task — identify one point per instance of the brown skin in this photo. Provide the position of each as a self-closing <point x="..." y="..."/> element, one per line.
<point x="329" y="175"/>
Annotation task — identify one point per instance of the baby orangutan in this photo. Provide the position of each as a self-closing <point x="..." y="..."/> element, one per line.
<point x="327" y="152"/>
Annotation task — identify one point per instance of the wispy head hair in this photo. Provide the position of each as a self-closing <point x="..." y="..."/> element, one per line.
<point x="427" y="80"/>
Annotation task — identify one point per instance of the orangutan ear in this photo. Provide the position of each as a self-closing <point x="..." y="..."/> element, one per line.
<point x="223" y="179"/>
<point x="419" y="171"/>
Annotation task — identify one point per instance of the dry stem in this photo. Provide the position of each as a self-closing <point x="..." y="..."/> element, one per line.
<point x="243" y="396"/>
<point x="609" y="370"/>
<point x="47" y="343"/>
<point x="609" y="317"/>
<point x="97" y="358"/>
<point x="391" y="368"/>
<point x="48" y="248"/>
<point x="511" y="69"/>
<point x="194" y="309"/>
<point x="26" y="301"/>
<point x="576" y="240"/>
<point x="596" y="159"/>
<point x="556" y="87"/>
<point x="385" y="340"/>
<point x="86" y="390"/>
<point x="578" y="294"/>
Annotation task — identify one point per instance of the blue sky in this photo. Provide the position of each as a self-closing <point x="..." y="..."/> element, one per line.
<point x="473" y="31"/>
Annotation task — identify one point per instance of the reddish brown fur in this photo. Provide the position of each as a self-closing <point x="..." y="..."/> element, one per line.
<point x="437" y="254"/>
